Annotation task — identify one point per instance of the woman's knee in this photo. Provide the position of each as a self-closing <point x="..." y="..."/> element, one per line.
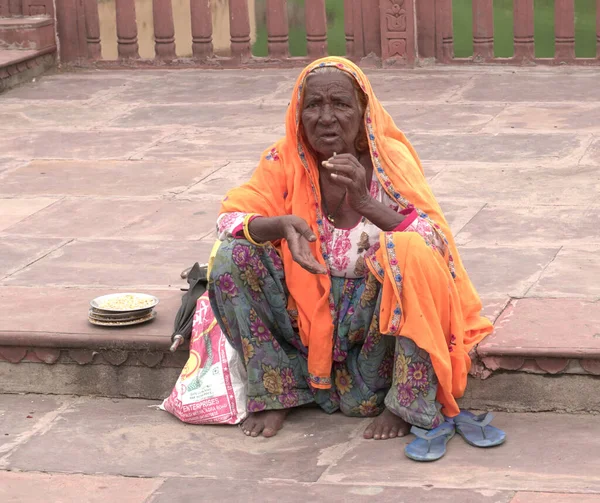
<point x="232" y="255"/>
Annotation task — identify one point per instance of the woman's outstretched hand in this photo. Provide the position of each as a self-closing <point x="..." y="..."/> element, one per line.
<point x="346" y="171"/>
<point x="296" y="232"/>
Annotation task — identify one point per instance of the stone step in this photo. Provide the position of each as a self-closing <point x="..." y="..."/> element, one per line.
<point x="27" y="33"/>
<point x="544" y="355"/>
<point x="27" y="49"/>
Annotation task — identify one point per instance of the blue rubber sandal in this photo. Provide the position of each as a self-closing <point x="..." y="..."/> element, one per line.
<point x="477" y="431"/>
<point x="430" y="445"/>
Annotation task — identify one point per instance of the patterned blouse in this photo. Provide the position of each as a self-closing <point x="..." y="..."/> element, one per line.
<point x="347" y="248"/>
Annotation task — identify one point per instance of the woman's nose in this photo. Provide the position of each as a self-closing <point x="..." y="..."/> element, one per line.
<point x="327" y="115"/>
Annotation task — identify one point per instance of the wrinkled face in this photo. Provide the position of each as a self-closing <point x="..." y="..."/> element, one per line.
<point x="331" y="116"/>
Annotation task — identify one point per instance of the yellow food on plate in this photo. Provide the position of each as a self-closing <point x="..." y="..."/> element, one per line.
<point x="126" y="303"/>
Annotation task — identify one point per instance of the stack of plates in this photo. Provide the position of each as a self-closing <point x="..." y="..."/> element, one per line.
<point x="122" y="309"/>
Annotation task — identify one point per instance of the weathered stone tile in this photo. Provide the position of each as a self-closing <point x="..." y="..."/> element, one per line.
<point x="564" y="328"/>
<point x="532" y="226"/>
<point x="215" y="145"/>
<point x="204" y="115"/>
<point x="203" y="87"/>
<point x="547" y="118"/>
<point x="533" y="86"/>
<point x="16" y="252"/>
<point x="493" y="148"/>
<point x="455" y="117"/>
<point x="81" y="218"/>
<point x="33" y="487"/>
<point x="15" y="210"/>
<point x="565" y="464"/>
<point x="187" y="490"/>
<point x="505" y="271"/>
<point x="493" y="307"/>
<point x="56" y="115"/>
<point x="65" y="87"/>
<point x="574" y="273"/>
<point x="105" y="178"/>
<point x="19" y="415"/>
<point x="174" y="220"/>
<point x="117" y="441"/>
<point x="592" y="155"/>
<point x="422" y="86"/>
<point x="26" y="310"/>
<point x="527" y="184"/>
<point x="228" y="177"/>
<point x="458" y="212"/>
<point x="76" y="145"/>
<point x="114" y="264"/>
<point x="541" y="497"/>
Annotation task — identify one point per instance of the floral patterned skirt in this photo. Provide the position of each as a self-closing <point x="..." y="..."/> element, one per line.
<point x="371" y="371"/>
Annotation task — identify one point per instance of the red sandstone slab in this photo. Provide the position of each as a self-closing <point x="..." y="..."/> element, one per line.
<point x="34" y="487"/>
<point x="13" y="211"/>
<point x="14" y="420"/>
<point x="564" y="328"/>
<point x="494" y="148"/>
<point x="541" y="497"/>
<point x="67" y="87"/>
<point x="205" y="115"/>
<point x="86" y="218"/>
<point x="215" y="144"/>
<point x="574" y="273"/>
<point x="111" y="144"/>
<point x="505" y="271"/>
<point x="592" y="155"/>
<point x="533" y="86"/>
<point x="203" y="87"/>
<point x="58" y="317"/>
<point x="536" y="226"/>
<point x="106" y="178"/>
<point x="459" y="212"/>
<point x="456" y="117"/>
<point x="520" y="184"/>
<point x="538" y="456"/>
<point x="493" y="307"/>
<point x="129" y="438"/>
<point x="584" y="118"/>
<point x="187" y="490"/>
<point x="18" y="252"/>
<point x="175" y="220"/>
<point x="12" y="56"/>
<point x="220" y="181"/>
<point x="25" y="115"/>
<point x="114" y="264"/>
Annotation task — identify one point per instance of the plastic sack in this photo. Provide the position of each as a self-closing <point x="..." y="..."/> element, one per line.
<point x="212" y="386"/>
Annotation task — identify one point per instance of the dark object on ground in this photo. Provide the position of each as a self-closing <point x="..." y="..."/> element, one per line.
<point x="198" y="283"/>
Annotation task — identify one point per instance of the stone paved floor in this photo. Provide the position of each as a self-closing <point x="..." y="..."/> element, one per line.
<point x="78" y="449"/>
<point x="112" y="180"/>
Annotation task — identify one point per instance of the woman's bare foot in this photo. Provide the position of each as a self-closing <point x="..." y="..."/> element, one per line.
<point x="267" y="422"/>
<point x="387" y="425"/>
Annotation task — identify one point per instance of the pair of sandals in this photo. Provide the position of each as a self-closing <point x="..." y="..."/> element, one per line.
<point x="430" y="445"/>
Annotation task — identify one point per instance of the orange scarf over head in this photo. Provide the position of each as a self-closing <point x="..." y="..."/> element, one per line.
<point x="287" y="182"/>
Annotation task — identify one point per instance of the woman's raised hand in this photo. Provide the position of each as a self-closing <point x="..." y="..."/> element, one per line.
<point x="346" y="171"/>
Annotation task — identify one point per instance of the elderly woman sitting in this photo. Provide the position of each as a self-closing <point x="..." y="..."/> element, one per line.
<point x="338" y="278"/>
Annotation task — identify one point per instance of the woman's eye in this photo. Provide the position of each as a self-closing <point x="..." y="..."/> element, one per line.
<point x="341" y="105"/>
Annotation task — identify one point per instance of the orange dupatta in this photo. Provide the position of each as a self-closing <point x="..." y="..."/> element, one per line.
<point x="286" y="182"/>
